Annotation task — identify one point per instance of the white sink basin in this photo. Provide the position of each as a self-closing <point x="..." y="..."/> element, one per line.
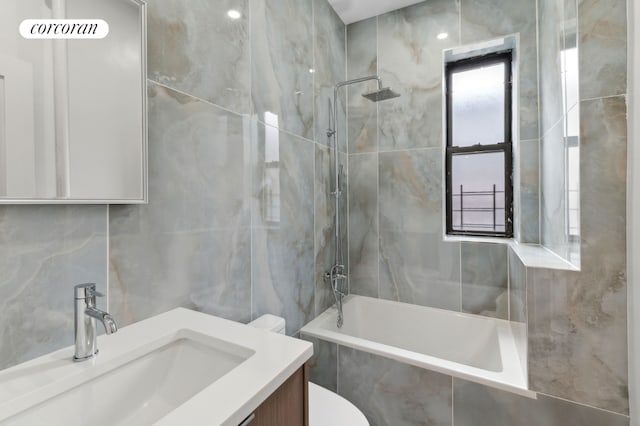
<point x="180" y="367"/>
<point x="141" y="391"/>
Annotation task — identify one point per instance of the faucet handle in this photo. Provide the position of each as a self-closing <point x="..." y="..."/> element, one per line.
<point x="86" y="291"/>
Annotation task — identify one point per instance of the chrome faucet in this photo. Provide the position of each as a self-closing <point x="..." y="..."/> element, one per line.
<point x="86" y="315"/>
<point x="335" y="276"/>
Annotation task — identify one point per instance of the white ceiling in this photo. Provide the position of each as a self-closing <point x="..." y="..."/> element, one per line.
<point x="357" y="10"/>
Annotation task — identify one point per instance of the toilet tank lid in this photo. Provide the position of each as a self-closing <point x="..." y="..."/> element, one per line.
<point x="269" y="322"/>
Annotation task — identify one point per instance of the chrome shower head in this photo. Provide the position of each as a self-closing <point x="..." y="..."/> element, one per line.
<point x="381" y="94"/>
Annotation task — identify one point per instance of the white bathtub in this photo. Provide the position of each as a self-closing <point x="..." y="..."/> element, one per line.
<point x="471" y="347"/>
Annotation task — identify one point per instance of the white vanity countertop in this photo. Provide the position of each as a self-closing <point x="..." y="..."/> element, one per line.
<point x="227" y="401"/>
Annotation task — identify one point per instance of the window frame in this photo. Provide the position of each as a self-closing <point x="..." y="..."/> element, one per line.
<point x="506" y="146"/>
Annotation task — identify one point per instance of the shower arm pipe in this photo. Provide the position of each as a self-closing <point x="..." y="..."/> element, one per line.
<point x="334" y="133"/>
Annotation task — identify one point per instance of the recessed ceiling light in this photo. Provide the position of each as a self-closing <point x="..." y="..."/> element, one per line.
<point x="311" y="70"/>
<point x="234" y="14"/>
<point x="442" y="36"/>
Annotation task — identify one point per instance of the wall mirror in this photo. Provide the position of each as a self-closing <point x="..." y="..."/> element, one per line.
<point x="73" y="111"/>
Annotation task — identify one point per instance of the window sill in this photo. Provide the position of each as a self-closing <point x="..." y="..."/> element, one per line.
<point x="537" y="256"/>
<point x="474" y="239"/>
<point x="531" y="255"/>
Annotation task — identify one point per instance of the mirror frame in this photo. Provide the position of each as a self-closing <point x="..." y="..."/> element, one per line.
<point x="142" y="4"/>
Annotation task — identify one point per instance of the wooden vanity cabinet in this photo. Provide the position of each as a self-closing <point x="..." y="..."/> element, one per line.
<point x="288" y="405"/>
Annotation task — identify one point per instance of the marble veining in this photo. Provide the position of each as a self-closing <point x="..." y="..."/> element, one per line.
<point x="475" y="404"/>
<point x="186" y="248"/>
<point x="282" y="250"/>
<point x="363" y="224"/>
<point x="44" y="252"/>
<point x="411" y="190"/>
<point x="362" y="60"/>
<point x="517" y="289"/>
<point x="410" y="61"/>
<point x="281" y="57"/>
<point x="551" y="41"/>
<point x="196" y="48"/>
<point x="603" y="35"/>
<point x="571" y="314"/>
<point x="553" y="189"/>
<point x="323" y="366"/>
<point x="485" y="289"/>
<point x="419" y="268"/>
<point x="415" y="265"/>
<point x="529" y="220"/>
<point x="329" y="68"/>
<point x="392" y="393"/>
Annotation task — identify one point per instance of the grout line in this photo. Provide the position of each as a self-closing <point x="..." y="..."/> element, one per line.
<point x="582" y="404"/>
<point x="281" y="130"/>
<point x="508" y="283"/>
<point x="362" y="153"/>
<point x="315" y="152"/>
<point x="250" y="155"/>
<point x="460" y="23"/>
<point x="315" y="68"/>
<point x="555" y="124"/>
<point x="190" y="95"/>
<point x="599" y="98"/>
<point x="346" y="132"/>
<point x="540" y="136"/>
<point x="460" y="270"/>
<point x="315" y="235"/>
<point x="526" y="322"/>
<point x="108" y="244"/>
<point x="378" y="239"/>
<point x="337" y="368"/>
<point x="377" y="216"/>
<point x="453" y="421"/>
<point x="425" y="148"/>
<point x="528" y="140"/>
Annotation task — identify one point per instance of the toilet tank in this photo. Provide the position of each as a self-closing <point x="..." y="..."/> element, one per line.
<point x="270" y="322"/>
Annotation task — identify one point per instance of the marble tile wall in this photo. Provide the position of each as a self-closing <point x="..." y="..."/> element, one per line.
<point x="323" y="366"/>
<point x="555" y="28"/>
<point x="485" y="280"/>
<point x="395" y="156"/>
<point x="44" y="252"/>
<point x="257" y="177"/>
<point x="415" y="265"/>
<point x="282" y="256"/>
<point x="363" y="224"/>
<point x="237" y="114"/>
<point x="362" y="48"/>
<point x="329" y="34"/>
<point x="528" y="221"/>
<point x="200" y="51"/>
<point x="189" y="246"/>
<point x="410" y="61"/>
<point x="517" y="289"/>
<point x="576" y="320"/>
<point x="553" y="200"/>
<point x="475" y="404"/>
<point x="392" y="393"/>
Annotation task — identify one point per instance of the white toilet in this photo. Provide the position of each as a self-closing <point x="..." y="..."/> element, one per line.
<point x="326" y="408"/>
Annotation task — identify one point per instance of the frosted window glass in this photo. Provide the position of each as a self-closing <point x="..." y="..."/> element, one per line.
<point x="477" y="102"/>
<point x="475" y="205"/>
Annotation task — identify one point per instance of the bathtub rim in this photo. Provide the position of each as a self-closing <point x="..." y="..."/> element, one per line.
<point x="513" y="378"/>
